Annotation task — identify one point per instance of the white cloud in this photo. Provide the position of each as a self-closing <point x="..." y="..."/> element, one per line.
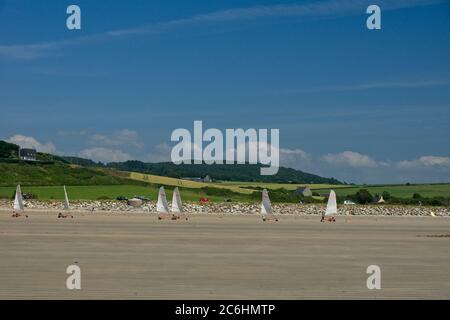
<point x="435" y="161"/>
<point x="123" y="137"/>
<point x="295" y="158"/>
<point x="160" y="153"/>
<point x="425" y="161"/>
<point x="297" y="153"/>
<point x="358" y="168"/>
<point x="406" y="84"/>
<point x="30" y="142"/>
<point x="350" y="158"/>
<point x="190" y="150"/>
<point x="252" y="149"/>
<point x="104" y="155"/>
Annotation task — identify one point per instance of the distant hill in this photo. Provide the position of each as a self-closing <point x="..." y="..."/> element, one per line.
<point x="50" y="170"/>
<point x="54" y="170"/>
<point x="10" y="151"/>
<point x="83" y="162"/>
<point x="230" y="172"/>
<point x="56" y="173"/>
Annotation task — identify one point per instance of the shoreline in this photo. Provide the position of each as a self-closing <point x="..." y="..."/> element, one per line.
<point x="281" y="209"/>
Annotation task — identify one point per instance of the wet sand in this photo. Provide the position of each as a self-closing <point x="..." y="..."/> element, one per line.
<point x="135" y="256"/>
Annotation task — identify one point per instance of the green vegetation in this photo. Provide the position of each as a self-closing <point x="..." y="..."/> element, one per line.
<point x="397" y="191"/>
<point x="283" y="195"/>
<point x="288" y="186"/>
<point x="90" y="180"/>
<point x="363" y="196"/>
<point x="8" y="150"/>
<point x="107" y="192"/>
<point x="168" y="181"/>
<point x="83" y="162"/>
<point x="229" y="172"/>
<point x="233" y="174"/>
<point x="46" y="157"/>
<point x="57" y="173"/>
<point x="9" y="153"/>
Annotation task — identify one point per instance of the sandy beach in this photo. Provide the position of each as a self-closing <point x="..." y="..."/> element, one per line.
<point x="135" y="256"/>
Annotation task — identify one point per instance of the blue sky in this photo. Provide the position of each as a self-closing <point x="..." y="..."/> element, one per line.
<point x="360" y="105"/>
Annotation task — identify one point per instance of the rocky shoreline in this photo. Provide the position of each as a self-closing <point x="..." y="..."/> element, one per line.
<point x="234" y="208"/>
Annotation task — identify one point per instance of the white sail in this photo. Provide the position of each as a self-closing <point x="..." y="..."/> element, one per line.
<point x="162" y="205"/>
<point x="266" y="206"/>
<point x="331" y="205"/>
<point x="66" y="200"/>
<point x="177" y="206"/>
<point x="18" y="200"/>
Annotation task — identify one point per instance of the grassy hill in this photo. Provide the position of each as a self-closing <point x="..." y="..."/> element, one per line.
<point x="82" y="162"/>
<point x="229" y="172"/>
<point x="57" y="173"/>
<point x="50" y="170"/>
<point x="90" y="180"/>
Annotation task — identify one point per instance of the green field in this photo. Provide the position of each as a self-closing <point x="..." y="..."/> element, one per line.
<point x="46" y="182"/>
<point x="399" y="191"/>
<point x="288" y="186"/>
<point x="160" y="180"/>
<point x="111" y="192"/>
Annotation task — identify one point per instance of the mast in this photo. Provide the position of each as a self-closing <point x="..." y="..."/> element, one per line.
<point x="266" y="206"/>
<point x="66" y="200"/>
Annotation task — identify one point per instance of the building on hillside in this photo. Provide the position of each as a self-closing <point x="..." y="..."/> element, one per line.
<point x="304" y="191"/>
<point x="27" y="154"/>
<point x="206" y="179"/>
<point x="349" y="202"/>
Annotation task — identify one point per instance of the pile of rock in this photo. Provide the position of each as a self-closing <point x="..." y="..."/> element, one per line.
<point x="235" y="208"/>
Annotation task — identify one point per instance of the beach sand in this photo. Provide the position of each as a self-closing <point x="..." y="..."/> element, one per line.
<point x="135" y="256"/>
